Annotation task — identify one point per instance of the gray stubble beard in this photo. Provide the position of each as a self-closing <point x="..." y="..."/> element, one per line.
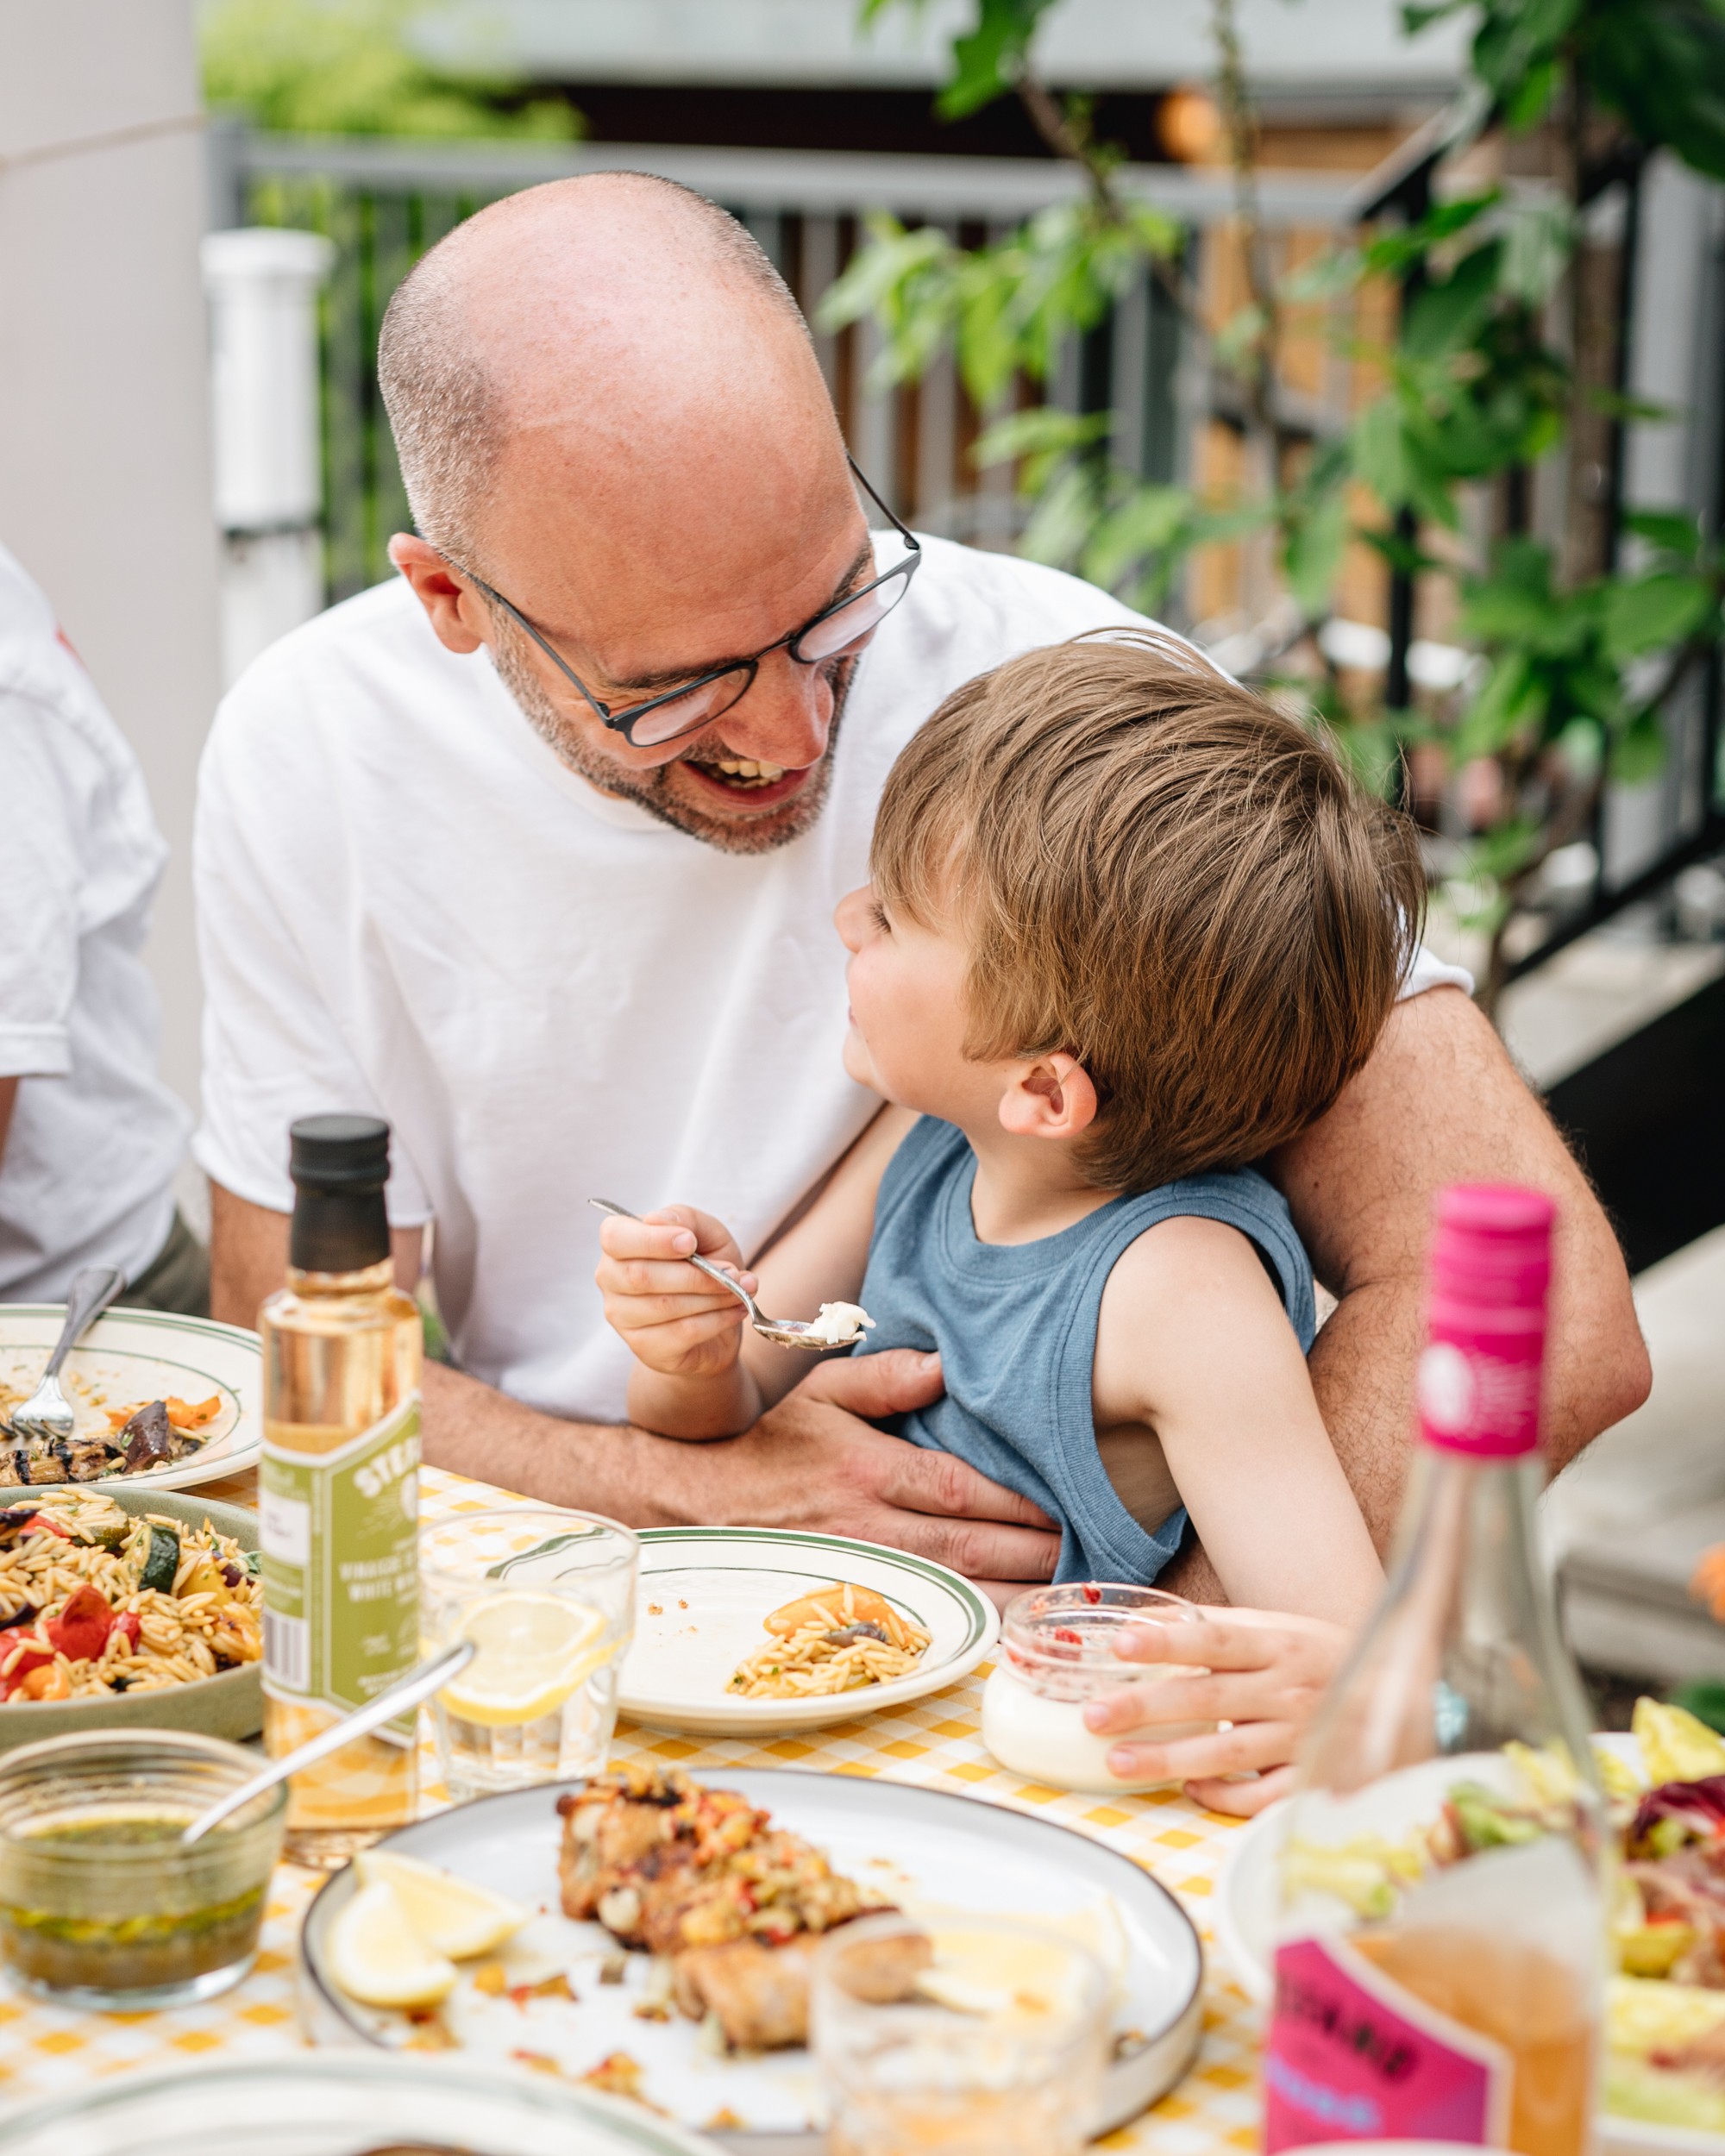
<point x="650" y="790"/>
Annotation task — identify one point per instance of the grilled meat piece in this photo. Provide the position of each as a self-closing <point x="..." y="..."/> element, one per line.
<point x="761" y="1993"/>
<point x="629" y="1835"/>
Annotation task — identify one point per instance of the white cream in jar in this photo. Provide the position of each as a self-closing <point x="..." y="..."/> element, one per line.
<point x="1056" y="1654"/>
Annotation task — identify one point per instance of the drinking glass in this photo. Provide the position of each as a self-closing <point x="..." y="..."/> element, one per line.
<point x="549" y="1596"/>
<point x="993" y="2046"/>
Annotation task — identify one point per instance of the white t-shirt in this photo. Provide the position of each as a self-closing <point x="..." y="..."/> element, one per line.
<point x="408" y="906"/>
<point x="96" y="1137"/>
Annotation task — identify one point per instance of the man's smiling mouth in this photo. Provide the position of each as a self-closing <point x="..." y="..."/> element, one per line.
<point x="747" y="779"/>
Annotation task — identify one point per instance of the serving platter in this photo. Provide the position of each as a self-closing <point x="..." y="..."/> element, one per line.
<point x="332" y="2105"/>
<point x="1245" y="1908"/>
<point x="931" y="1852"/>
<point x="705" y="1591"/>
<point x="131" y="1355"/>
<point x="230" y="1704"/>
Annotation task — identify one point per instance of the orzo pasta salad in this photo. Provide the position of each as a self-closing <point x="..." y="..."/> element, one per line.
<point x="94" y="1600"/>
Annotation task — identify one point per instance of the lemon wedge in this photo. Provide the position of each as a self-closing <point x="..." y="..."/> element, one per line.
<point x="534" y="1650"/>
<point x="377" y="1958"/>
<point x="451" y="1916"/>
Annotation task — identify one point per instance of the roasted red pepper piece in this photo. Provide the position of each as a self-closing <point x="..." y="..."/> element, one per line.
<point x="40" y="1524"/>
<point x="128" y="1627"/>
<point x="81" y="1630"/>
<point x="33" y="1657"/>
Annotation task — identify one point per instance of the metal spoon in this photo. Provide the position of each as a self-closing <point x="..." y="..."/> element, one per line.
<point x="792" y="1333"/>
<point x="46" y="1412"/>
<point x="419" y="1684"/>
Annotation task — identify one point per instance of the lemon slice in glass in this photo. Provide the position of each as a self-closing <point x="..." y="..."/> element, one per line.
<point x="534" y="1650"/>
<point x="452" y="1916"/>
<point x="377" y="1957"/>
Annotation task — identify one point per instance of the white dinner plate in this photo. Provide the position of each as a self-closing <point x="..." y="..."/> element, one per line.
<point x="1245" y="1927"/>
<point x="922" y="1845"/>
<point x="328" y="2105"/>
<point x="705" y="1591"/>
<point x="129" y="1357"/>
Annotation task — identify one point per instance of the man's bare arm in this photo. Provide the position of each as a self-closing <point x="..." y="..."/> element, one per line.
<point x="812" y="1462"/>
<point x="1440" y="1102"/>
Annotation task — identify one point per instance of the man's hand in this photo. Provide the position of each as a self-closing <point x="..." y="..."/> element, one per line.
<point x="1439" y="1103"/>
<point x="808" y="1462"/>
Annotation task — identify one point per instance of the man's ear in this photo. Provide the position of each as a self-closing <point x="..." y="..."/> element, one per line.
<point x="1052" y="1097"/>
<point x="453" y="605"/>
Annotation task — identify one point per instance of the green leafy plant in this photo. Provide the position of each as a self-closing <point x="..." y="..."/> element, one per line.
<point x="350" y="67"/>
<point x="1490" y="373"/>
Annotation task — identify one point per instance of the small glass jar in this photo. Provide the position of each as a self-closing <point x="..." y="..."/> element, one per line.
<point x="101" y="1907"/>
<point x="1056" y="1654"/>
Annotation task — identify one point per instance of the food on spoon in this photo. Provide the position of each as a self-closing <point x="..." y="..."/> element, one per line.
<point x="841" y="1638"/>
<point x="839" y="1324"/>
<point x="377" y="1958"/>
<point x="454" y="1917"/>
<point x="703" y="1877"/>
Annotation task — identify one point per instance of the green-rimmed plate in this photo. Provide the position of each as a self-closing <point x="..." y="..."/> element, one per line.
<point x="230" y="1704"/>
<point x="331" y="2105"/>
<point x="705" y="1593"/>
<point x="131" y="1355"/>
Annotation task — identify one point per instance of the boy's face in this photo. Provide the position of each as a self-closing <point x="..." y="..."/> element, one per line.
<point x="905" y="1039"/>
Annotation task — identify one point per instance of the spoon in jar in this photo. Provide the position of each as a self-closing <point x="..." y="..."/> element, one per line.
<point x="818" y="1334"/>
<point x="419" y="1684"/>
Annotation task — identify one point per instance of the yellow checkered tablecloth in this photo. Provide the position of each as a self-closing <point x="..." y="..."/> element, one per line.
<point x="936" y="1744"/>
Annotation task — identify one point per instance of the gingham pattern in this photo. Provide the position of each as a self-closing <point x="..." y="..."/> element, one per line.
<point x="934" y="1743"/>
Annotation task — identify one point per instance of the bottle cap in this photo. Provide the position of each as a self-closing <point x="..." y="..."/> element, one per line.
<point x="1479" y="1378"/>
<point x="339" y="1152"/>
<point x="1493" y="1245"/>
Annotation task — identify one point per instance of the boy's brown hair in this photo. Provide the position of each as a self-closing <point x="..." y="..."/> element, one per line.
<point x="1164" y="877"/>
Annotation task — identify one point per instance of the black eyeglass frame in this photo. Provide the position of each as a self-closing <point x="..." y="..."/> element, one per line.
<point x="624" y="721"/>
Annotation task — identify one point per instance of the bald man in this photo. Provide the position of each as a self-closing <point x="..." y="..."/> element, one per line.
<point x="534" y="851"/>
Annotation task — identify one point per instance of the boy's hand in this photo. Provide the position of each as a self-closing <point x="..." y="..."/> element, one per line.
<point x="674" y="1320"/>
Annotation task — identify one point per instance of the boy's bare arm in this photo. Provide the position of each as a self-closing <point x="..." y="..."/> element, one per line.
<point x="1441" y="1103"/>
<point x="1193" y="1341"/>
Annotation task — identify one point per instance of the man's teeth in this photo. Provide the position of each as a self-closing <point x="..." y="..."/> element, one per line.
<point x="747" y="768"/>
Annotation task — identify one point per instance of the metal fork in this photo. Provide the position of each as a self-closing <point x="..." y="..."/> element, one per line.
<point x="790" y="1333"/>
<point x="46" y="1412"/>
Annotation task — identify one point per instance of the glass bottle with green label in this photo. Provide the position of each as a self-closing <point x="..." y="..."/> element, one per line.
<point x="338" y="1490"/>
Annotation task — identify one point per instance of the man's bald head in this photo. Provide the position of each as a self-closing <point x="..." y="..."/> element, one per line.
<point x="617" y="320"/>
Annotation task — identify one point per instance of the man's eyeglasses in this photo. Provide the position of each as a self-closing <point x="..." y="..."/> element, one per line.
<point x="836" y="630"/>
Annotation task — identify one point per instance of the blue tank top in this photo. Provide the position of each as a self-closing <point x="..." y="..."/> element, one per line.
<point x="1016" y="1328"/>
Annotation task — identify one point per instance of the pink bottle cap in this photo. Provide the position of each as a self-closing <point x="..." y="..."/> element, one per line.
<point x="1490" y="1272"/>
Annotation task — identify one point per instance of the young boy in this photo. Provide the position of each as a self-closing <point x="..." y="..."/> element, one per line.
<point x="1129" y="930"/>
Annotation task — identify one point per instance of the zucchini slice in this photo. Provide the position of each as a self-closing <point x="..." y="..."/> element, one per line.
<point x="161" y="1560"/>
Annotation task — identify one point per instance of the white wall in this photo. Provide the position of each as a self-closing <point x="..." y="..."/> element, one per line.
<point x="105" y="456"/>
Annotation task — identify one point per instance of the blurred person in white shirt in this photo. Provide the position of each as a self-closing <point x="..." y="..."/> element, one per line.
<point x="91" y="1138"/>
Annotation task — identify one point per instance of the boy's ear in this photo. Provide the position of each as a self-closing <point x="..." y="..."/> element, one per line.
<point x="1052" y="1097"/>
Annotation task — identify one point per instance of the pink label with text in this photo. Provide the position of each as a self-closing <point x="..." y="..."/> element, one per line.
<point x="1352" y="2056"/>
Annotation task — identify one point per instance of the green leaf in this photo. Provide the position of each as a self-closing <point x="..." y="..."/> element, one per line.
<point x="990" y="58"/>
<point x="1444" y="318"/>
<point x="1653" y="613"/>
<point x="1637" y="753"/>
<point x="1043" y="430"/>
<point x="1670" y="531"/>
<point x="1311" y="555"/>
<point x="1513" y="701"/>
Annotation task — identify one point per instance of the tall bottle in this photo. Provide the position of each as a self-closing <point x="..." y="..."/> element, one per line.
<point x="338" y="1490"/>
<point x="1439" y="1962"/>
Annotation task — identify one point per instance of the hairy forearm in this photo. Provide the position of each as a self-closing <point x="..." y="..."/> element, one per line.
<point x="470" y="1429"/>
<point x="1440" y="1103"/>
<point x="694" y="1409"/>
